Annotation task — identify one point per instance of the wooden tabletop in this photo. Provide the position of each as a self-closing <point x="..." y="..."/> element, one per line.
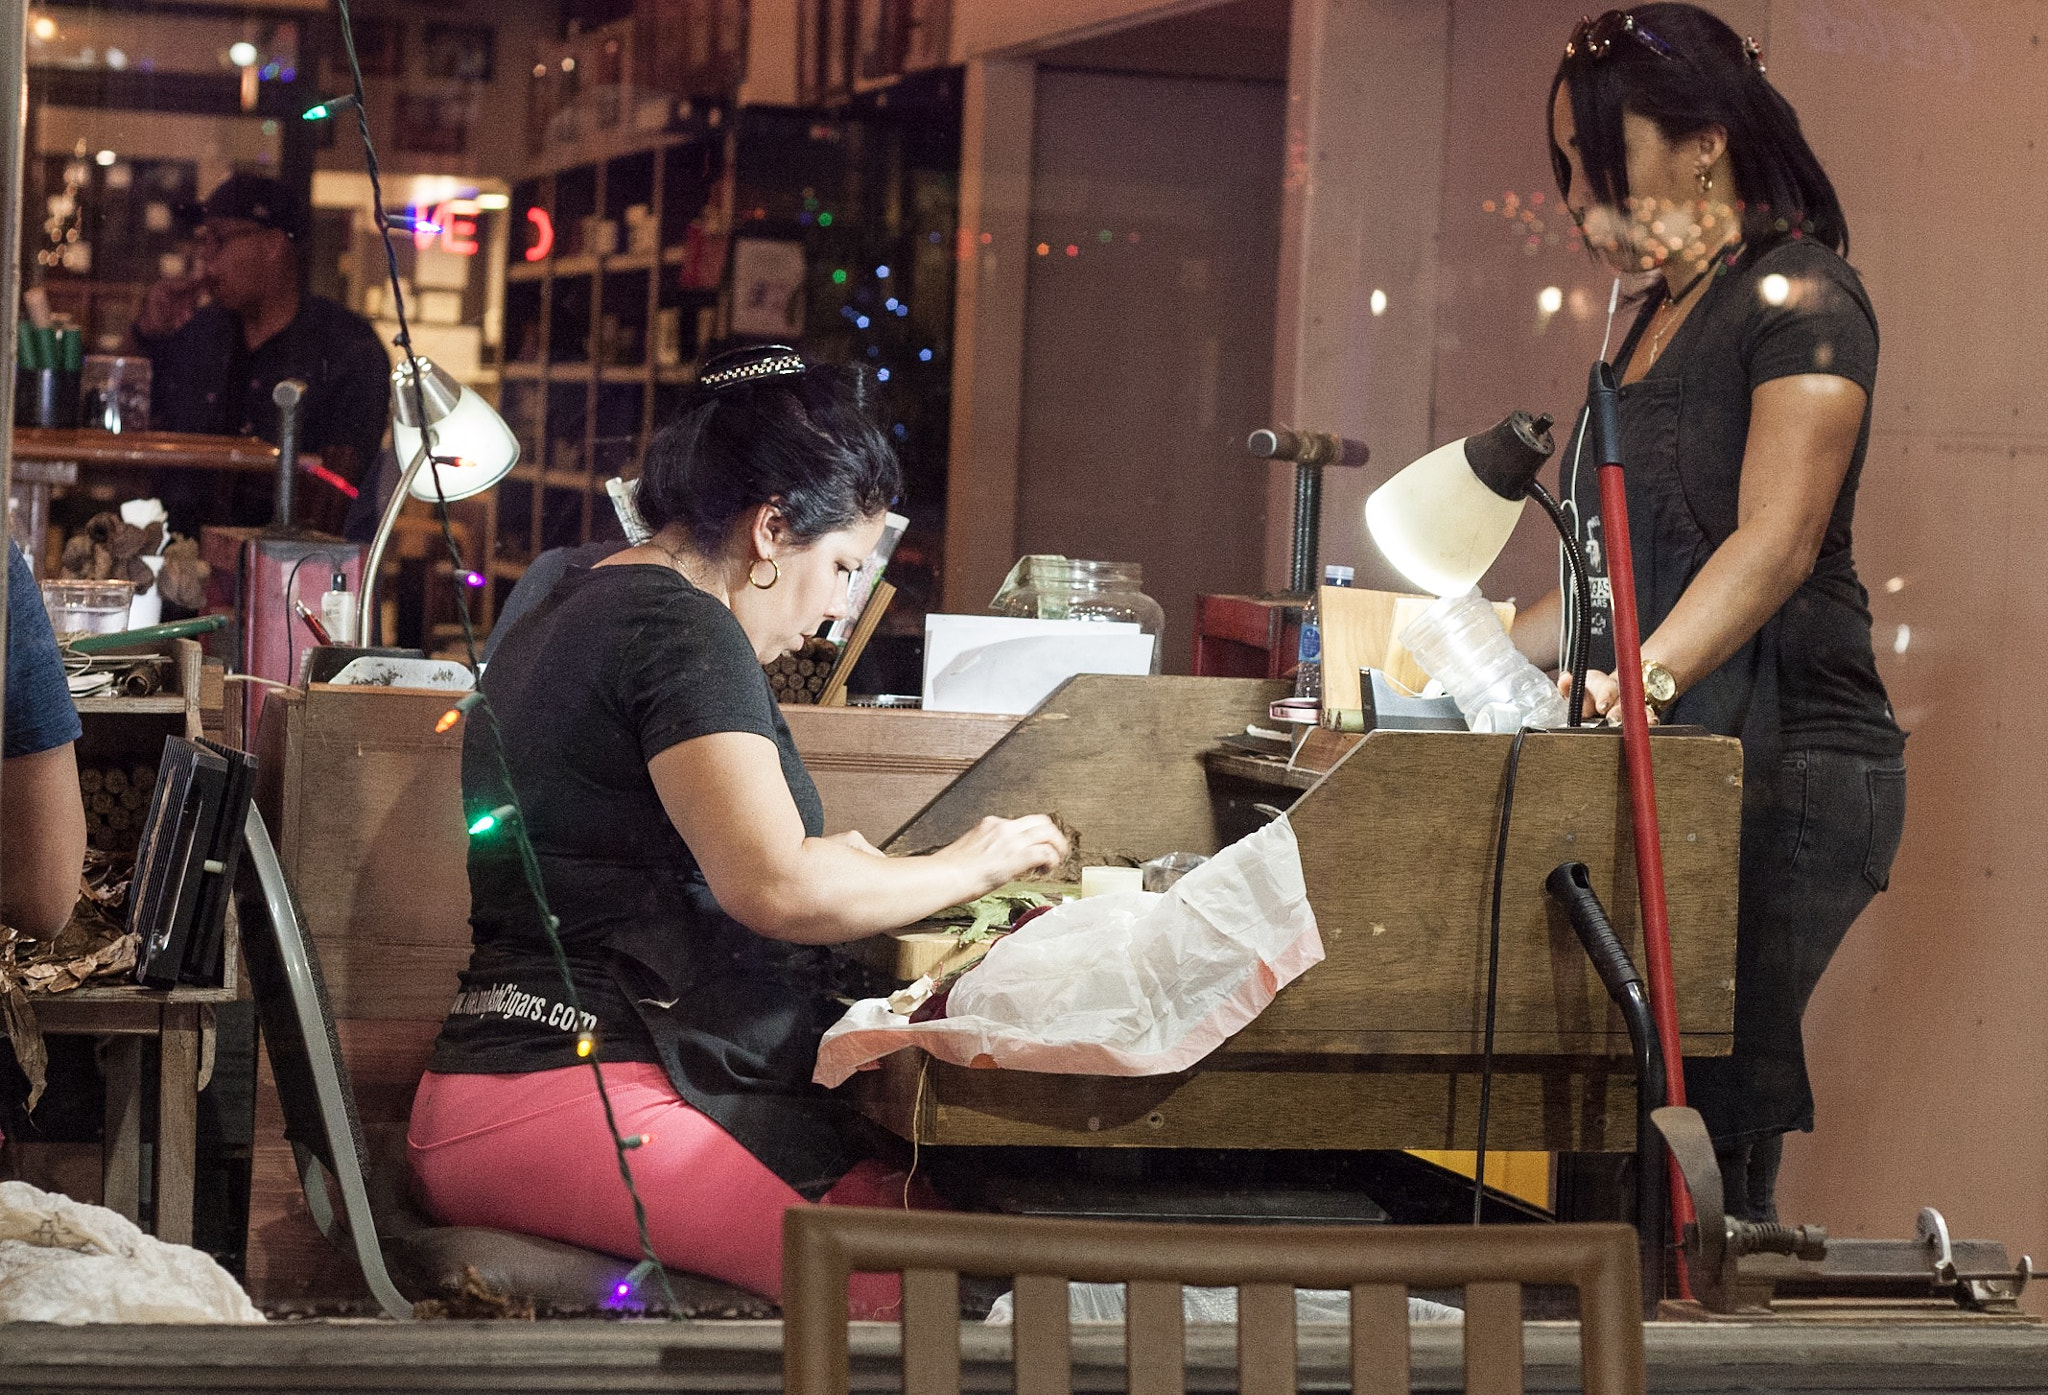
<point x="151" y="450"/>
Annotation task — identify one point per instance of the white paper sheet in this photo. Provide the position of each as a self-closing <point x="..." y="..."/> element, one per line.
<point x="997" y="663"/>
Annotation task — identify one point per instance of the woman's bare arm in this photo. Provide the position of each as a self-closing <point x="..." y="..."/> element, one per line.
<point x="726" y="796"/>
<point x="1536" y="631"/>
<point x="1802" y="436"/>
<point x="42" y="839"/>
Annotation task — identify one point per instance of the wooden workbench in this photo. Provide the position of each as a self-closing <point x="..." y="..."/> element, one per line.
<point x="1377" y="1046"/>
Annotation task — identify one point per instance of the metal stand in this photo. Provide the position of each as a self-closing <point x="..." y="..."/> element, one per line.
<point x="1310" y="451"/>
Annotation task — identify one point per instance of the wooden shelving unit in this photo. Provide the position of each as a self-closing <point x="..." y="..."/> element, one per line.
<point x="601" y="336"/>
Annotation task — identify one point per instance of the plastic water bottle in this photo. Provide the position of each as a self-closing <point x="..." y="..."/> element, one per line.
<point x="1308" y="670"/>
<point x="1460" y="641"/>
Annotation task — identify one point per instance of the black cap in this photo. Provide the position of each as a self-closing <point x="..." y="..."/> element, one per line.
<point x="1507" y="456"/>
<point x="258" y="199"/>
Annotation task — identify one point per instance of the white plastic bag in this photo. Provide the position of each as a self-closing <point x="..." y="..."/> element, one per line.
<point x="64" y="1261"/>
<point x="1135" y="983"/>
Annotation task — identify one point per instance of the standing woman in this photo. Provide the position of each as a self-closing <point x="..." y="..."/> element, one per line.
<point x="1745" y="413"/>
<point x="678" y="840"/>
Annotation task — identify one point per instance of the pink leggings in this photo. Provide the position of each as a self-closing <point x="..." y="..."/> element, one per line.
<point x="529" y="1153"/>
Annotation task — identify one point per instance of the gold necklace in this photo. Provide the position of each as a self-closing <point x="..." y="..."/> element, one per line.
<point x="1725" y="255"/>
<point x="1671" y="302"/>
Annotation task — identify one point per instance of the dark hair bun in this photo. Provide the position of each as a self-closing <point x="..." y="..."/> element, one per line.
<point x="806" y="441"/>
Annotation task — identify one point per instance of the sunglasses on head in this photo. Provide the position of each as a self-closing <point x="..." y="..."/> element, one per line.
<point x="1594" y="39"/>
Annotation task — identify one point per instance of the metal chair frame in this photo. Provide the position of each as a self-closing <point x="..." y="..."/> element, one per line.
<point x="320" y="1116"/>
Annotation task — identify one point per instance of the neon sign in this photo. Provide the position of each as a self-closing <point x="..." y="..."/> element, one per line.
<point x="543" y="234"/>
<point x="451" y="226"/>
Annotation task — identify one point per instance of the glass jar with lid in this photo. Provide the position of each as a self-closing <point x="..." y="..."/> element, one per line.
<point x="1069" y="588"/>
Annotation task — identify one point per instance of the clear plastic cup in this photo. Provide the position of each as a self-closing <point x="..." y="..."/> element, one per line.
<point x="88" y="607"/>
<point x="114" y="393"/>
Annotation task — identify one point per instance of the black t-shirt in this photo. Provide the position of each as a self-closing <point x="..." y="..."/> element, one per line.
<point x="1808" y="677"/>
<point x="616" y="665"/>
<point x="204" y="378"/>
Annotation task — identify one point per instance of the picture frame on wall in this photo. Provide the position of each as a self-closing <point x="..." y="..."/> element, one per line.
<point x="380" y="46"/>
<point x="767" y="288"/>
<point x="432" y="125"/>
<point x="465" y="52"/>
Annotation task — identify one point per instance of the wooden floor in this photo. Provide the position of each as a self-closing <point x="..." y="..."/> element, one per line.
<point x="369" y="1356"/>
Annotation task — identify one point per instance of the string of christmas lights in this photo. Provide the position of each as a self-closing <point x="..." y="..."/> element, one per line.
<point x="507" y="816"/>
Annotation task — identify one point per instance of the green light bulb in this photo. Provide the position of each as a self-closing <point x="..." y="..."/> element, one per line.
<point x="483" y="825"/>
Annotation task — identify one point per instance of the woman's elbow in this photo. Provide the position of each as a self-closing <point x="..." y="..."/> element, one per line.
<point x="43" y="907"/>
<point x="778" y="909"/>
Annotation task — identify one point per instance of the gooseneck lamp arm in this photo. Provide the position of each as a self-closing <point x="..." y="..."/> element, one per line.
<point x="366" y="597"/>
<point x="1605" y="424"/>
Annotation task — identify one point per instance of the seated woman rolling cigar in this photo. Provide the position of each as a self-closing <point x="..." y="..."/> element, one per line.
<point x="678" y="841"/>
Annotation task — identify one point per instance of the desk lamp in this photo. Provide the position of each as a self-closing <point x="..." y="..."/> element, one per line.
<point x="472" y="450"/>
<point x="1443" y="520"/>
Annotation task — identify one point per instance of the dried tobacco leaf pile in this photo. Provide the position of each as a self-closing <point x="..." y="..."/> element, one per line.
<point x="94" y="944"/>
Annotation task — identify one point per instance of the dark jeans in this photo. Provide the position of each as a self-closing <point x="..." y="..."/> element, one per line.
<point x="1816" y="847"/>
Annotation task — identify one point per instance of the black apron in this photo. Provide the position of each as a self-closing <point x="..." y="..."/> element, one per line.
<point x="1669" y="542"/>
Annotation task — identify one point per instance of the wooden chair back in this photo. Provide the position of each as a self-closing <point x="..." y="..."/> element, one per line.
<point x="823" y="1245"/>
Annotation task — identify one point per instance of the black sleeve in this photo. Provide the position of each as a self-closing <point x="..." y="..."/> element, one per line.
<point x="40" y="713"/>
<point x="354" y="407"/>
<point x="688" y="671"/>
<point x="1810" y="316"/>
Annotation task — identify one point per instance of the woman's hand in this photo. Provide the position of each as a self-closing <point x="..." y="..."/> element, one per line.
<point x="1004" y="850"/>
<point x="1603" y="696"/>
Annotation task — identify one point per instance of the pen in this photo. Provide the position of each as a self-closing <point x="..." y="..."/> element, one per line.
<point x="312" y="621"/>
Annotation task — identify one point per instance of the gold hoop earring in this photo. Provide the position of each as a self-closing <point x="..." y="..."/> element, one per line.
<point x="770" y="582"/>
<point x="1706" y="179"/>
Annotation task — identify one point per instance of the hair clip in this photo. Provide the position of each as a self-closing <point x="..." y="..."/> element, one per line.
<point x="739" y="366"/>
<point x="1755" y="53"/>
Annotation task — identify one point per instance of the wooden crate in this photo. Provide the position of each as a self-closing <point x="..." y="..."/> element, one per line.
<point x="364" y="801"/>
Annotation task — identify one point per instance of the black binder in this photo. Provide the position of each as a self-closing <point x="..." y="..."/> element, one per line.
<point x="185" y="867"/>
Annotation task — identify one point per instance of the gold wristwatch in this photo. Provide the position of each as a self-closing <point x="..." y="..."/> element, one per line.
<point x="1660" y="685"/>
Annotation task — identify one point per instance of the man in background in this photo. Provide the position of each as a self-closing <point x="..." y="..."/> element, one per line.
<point x="220" y="339"/>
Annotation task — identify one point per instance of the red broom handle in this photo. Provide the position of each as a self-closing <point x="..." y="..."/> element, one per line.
<point x="1642" y="794"/>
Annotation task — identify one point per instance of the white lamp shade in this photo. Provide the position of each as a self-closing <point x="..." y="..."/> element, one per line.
<point x="472" y="445"/>
<point x="1439" y="524"/>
